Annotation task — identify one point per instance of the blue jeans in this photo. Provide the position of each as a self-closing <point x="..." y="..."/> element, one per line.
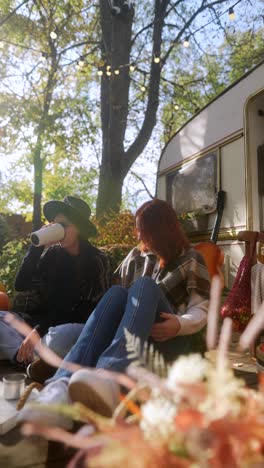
<point x="102" y="342"/>
<point x="59" y="339"/>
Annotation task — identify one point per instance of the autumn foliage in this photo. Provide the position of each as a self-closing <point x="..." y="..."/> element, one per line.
<point x="116" y="235"/>
<point x="116" y="228"/>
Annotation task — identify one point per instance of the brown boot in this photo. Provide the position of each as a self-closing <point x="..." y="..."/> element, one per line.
<point x="39" y="371"/>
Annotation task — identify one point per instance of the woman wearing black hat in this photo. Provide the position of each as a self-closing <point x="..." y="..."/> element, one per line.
<point x="75" y="276"/>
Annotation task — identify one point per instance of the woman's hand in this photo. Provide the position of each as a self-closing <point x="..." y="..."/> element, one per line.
<point x="167" y="329"/>
<point x="26" y="351"/>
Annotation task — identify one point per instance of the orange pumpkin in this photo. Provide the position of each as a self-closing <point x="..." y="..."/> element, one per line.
<point x="4" y="301"/>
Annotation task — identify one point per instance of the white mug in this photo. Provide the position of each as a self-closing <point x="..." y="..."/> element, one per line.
<point x="52" y="233"/>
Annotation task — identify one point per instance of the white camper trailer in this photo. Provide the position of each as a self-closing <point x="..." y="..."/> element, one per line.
<point x="220" y="148"/>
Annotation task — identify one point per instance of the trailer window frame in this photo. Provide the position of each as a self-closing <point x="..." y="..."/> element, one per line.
<point x="204" y="208"/>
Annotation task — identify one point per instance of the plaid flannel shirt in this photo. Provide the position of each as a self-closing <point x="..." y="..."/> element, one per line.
<point x="187" y="274"/>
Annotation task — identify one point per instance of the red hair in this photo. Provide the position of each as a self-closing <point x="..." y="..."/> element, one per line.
<point x="161" y="231"/>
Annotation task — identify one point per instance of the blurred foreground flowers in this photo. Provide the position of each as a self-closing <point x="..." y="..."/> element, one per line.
<point x="191" y="414"/>
<point x="200" y="415"/>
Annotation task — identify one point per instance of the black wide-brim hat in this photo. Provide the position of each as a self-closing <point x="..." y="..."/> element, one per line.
<point x="76" y="210"/>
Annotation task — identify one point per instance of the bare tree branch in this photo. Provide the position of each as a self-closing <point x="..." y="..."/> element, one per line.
<point x="153" y="97"/>
<point x="78" y="44"/>
<point x="203" y="7"/>
<point x="143" y="183"/>
<point x="155" y="75"/>
<point x="141" y="31"/>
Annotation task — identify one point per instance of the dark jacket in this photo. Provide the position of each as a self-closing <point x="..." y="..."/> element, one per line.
<point x="72" y="285"/>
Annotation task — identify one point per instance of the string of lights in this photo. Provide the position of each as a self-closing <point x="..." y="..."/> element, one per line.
<point x="231" y="15"/>
<point x="157" y="59"/>
<point x="186" y="42"/>
<point x="106" y="69"/>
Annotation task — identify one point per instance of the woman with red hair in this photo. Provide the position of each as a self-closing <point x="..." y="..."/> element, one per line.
<point x="162" y="295"/>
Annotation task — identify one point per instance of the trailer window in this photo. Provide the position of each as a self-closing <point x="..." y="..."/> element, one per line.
<point x="193" y="187"/>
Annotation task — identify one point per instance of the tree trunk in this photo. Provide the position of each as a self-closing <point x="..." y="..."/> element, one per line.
<point x="42" y="127"/>
<point x="110" y="191"/>
<point x="117" y="41"/>
<point x="38" y="181"/>
<point x="116" y="46"/>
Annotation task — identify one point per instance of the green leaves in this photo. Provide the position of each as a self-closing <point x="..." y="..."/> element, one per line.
<point x="49" y="105"/>
<point x="10" y="260"/>
<point x="210" y="74"/>
<point x="43" y="108"/>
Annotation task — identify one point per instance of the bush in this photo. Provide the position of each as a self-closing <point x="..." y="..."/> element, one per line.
<point x="116" y="253"/>
<point x="116" y="235"/>
<point x="116" y="228"/>
<point x="5" y="232"/>
<point x="10" y="260"/>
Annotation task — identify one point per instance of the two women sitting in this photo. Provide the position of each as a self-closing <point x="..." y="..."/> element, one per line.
<point x="162" y="296"/>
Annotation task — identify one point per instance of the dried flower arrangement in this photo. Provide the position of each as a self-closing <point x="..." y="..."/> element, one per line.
<point x="199" y="416"/>
<point x="192" y="414"/>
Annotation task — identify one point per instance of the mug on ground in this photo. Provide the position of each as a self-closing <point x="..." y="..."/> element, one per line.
<point x="13" y="386"/>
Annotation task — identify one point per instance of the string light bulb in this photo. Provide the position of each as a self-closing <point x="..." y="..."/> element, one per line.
<point x="231" y="13"/>
<point x="186" y="42"/>
<point x="176" y="107"/>
<point x="143" y="88"/>
<point x="101" y="63"/>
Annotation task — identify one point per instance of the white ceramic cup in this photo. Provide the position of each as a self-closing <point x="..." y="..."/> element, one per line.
<point x="52" y="233"/>
<point x="14" y="386"/>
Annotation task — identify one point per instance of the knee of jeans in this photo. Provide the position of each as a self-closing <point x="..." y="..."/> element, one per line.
<point x="146" y="281"/>
<point x="118" y="290"/>
<point x="61" y="338"/>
